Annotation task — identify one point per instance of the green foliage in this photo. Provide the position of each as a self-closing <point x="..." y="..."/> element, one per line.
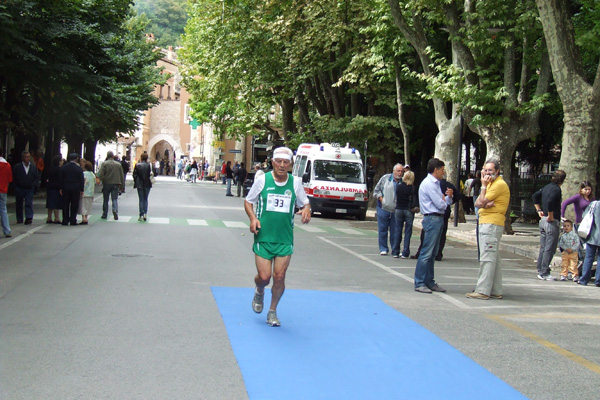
<point x="586" y="21"/>
<point x="82" y="67"/>
<point x="167" y="20"/>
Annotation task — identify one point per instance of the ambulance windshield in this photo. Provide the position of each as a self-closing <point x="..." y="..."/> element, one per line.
<point x="338" y="171"/>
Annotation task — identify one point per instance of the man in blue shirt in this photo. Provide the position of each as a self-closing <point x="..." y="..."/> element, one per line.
<point x="433" y="204"/>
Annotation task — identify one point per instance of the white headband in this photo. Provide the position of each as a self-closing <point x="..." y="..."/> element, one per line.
<point x="285" y="156"/>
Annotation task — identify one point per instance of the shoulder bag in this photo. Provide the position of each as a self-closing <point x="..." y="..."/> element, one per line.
<point x="585" y="228"/>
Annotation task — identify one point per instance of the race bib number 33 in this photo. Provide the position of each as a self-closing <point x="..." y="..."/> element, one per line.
<point x="279" y="202"/>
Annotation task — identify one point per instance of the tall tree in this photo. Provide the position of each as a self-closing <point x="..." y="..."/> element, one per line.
<point x="579" y="93"/>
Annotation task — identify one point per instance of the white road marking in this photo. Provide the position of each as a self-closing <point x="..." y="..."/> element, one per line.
<point x="395" y="273"/>
<point x="156" y="220"/>
<point x="349" y="231"/>
<point x="235" y="224"/>
<point x="309" y="228"/>
<point x="16" y="239"/>
<point x="197" y="222"/>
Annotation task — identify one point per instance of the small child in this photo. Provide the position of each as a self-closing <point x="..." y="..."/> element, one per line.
<point x="569" y="245"/>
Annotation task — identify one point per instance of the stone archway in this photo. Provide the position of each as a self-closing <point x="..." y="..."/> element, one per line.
<point x="163" y="137"/>
<point x="163" y="148"/>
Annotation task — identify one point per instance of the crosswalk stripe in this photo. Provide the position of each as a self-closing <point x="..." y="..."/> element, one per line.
<point x="122" y="219"/>
<point x="309" y="228"/>
<point x="349" y="231"/>
<point x="155" y="220"/>
<point x="197" y="222"/>
<point x="235" y="224"/>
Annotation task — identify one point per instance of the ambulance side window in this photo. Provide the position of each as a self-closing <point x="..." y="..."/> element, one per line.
<point x="301" y="166"/>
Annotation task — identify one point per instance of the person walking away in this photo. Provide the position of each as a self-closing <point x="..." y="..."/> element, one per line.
<point x="275" y="195"/>
<point x="180" y="169"/>
<point x="111" y="176"/>
<point x="569" y="246"/>
<point x="143" y="183"/>
<point x="89" y="186"/>
<point x="126" y="168"/>
<point x="547" y="203"/>
<point x="5" y="179"/>
<point x="433" y="204"/>
<point x="385" y="193"/>
<point x="406" y="197"/>
<point x="229" y="174"/>
<point x="71" y="189"/>
<point x="224" y="172"/>
<point x="193" y="171"/>
<point x="25" y="178"/>
<point x="54" y="200"/>
<point x="241" y="178"/>
<point x="492" y="202"/>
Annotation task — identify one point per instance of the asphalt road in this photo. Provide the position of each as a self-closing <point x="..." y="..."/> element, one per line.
<point x="124" y="310"/>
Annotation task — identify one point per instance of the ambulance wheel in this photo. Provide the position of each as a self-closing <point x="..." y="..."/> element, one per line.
<point x="362" y="216"/>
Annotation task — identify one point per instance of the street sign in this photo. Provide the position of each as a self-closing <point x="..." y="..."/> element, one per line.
<point x="235" y="151"/>
<point x="260" y="146"/>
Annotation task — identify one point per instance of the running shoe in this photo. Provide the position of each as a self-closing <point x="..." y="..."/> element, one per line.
<point x="272" y="319"/>
<point x="257" y="301"/>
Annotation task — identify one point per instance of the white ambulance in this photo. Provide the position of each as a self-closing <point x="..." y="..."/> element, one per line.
<point x="333" y="178"/>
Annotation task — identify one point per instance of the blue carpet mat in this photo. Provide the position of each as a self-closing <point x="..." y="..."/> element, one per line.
<point x="335" y="345"/>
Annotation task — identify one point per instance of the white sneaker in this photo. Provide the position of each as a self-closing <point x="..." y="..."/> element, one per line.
<point x="549" y="278"/>
<point x="563" y="278"/>
<point x="383" y="253"/>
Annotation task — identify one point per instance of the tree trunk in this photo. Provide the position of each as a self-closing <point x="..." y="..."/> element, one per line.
<point x="446" y="146"/>
<point x="89" y="150"/>
<point x="580" y="100"/>
<point x="401" y="121"/>
<point x="287" y="112"/>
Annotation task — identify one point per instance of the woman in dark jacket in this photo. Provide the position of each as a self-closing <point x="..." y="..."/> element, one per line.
<point x="405" y="195"/>
<point x="141" y="178"/>
<point x="54" y="201"/>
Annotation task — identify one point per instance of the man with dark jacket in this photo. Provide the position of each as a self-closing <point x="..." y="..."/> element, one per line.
<point x="126" y="167"/>
<point x="241" y="178"/>
<point x="547" y="202"/>
<point x="26" y="179"/>
<point x="71" y="188"/>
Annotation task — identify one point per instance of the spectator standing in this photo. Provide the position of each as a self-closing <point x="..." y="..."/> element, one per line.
<point x="492" y="202"/>
<point x="433" y="204"/>
<point x="229" y="176"/>
<point x="180" y="169"/>
<point x="569" y="246"/>
<point x="111" y="175"/>
<point x="224" y="171"/>
<point x="468" y="194"/>
<point x="241" y="178"/>
<point x="54" y="200"/>
<point x="258" y="171"/>
<point x="580" y="201"/>
<point x="592" y="248"/>
<point x="547" y="203"/>
<point x="385" y="193"/>
<point x="89" y="186"/>
<point x="71" y="189"/>
<point x="406" y="194"/>
<point x="193" y="171"/>
<point x="5" y="179"/>
<point x="26" y="179"/>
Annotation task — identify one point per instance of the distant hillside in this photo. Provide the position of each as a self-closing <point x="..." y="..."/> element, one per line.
<point x="167" y="19"/>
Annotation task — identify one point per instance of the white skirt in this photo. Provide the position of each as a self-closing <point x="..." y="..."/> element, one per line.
<point x="85" y="205"/>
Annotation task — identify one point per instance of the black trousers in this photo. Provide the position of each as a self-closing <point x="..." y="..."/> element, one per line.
<point x="70" y="205"/>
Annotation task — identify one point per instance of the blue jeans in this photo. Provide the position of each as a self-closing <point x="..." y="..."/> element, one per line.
<point x="586" y="272"/>
<point x="4" y="215"/>
<point x="404" y="218"/>
<point x="386" y="221"/>
<point x="229" y="186"/>
<point x="21" y="195"/>
<point x="112" y="190"/>
<point x="432" y="226"/>
<point x="143" y="194"/>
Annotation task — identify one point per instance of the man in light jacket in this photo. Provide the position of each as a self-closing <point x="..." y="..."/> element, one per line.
<point x="111" y="175"/>
<point x="385" y="193"/>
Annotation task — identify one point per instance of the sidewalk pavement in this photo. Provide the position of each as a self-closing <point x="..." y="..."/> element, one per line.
<point x="525" y="242"/>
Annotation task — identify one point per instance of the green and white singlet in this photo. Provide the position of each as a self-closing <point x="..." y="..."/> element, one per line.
<point x="275" y="211"/>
